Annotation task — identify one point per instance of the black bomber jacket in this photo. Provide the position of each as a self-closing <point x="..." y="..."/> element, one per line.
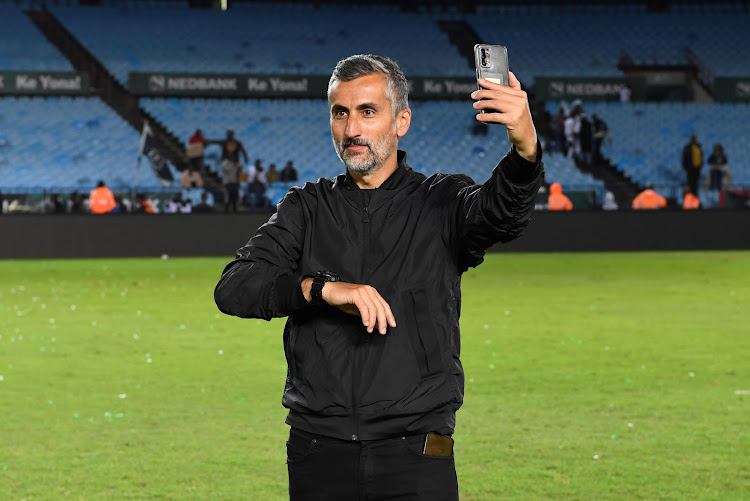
<point x="411" y="239"/>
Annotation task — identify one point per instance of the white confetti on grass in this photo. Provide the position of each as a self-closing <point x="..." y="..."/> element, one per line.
<point x="742" y="392"/>
<point x="692" y="374"/>
<point x="2" y="378"/>
<point x="123" y="395"/>
<point x="596" y="456"/>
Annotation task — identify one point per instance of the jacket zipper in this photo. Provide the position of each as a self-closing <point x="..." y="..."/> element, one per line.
<point x="365" y="279"/>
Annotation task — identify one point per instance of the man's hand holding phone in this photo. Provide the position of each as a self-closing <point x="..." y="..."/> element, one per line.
<point x="509" y="106"/>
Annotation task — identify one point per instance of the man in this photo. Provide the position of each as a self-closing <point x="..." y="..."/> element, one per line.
<point x="601" y="132"/>
<point x="368" y="266"/>
<point x="692" y="163"/>
<point x="649" y="199"/>
<point x="101" y="199"/>
<point x="194" y="151"/>
<point x="288" y="173"/>
<point x="557" y="200"/>
<point x="690" y="200"/>
<point x="203" y="206"/>
<point x="231" y="149"/>
<point x="191" y="178"/>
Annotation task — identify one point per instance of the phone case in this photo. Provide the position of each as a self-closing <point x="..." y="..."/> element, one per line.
<point x="491" y="62"/>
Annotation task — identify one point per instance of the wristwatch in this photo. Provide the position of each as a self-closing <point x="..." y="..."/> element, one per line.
<point x="316" y="291"/>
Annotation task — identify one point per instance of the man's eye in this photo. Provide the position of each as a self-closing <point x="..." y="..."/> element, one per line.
<point x="369" y="112"/>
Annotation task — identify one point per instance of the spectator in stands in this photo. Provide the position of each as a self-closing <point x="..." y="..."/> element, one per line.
<point x="601" y="132"/>
<point x="690" y="200"/>
<point x="191" y="178"/>
<point x="203" y="206"/>
<point x="231" y="168"/>
<point x="625" y="92"/>
<point x="178" y="205"/>
<point x="75" y="203"/>
<point x="572" y="132"/>
<point x="649" y="199"/>
<point x="53" y="205"/>
<point x="586" y="137"/>
<point x="609" y="202"/>
<point x="256" y="168"/>
<point x="719" y="176"/>
<point x="692" y="162"/>
<point x="122" y="204"/>
<point x="195" y="153"/>
<point x="557" y="132"/>
<point x="273" y="175"/>
<point x="255" y="198"/>
<point x="557" y="200"/>
<point x="101" y="199"/>
<point x="142" y="205"/>
<point x="288" y="173"/>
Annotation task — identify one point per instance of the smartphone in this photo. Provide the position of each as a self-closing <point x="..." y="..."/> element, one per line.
<point x="491" y="62"/>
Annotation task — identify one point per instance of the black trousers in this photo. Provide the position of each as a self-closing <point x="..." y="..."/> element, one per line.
<point x="324" y="468"/>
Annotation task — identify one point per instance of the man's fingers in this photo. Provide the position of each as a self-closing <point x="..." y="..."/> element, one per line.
<point x="362" y="300"/>
<point x="375" y="310"/>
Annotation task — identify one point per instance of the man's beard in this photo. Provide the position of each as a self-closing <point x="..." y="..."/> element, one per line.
<point x="365" y="163"/>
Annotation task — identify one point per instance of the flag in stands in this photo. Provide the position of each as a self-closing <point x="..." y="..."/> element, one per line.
<point x="158" y="162"/>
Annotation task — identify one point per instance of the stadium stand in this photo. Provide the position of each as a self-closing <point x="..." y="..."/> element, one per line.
<point x="261" y="38"/>
<point x="63" y="144"/>
<point x="440" y="138"/>
<point x="22" y="47"/>
<point x="647" y="139"/>
<point x="68" y="143"/>
<point x="591" y="44"/>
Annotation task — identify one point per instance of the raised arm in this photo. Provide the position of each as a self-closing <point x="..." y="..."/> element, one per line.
<point x="500" y="209"/>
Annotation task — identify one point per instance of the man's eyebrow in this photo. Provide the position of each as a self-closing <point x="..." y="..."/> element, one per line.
<point x="365" y="106"/>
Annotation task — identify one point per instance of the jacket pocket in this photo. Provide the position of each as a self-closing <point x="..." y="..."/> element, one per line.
<point x="424" y="337"/>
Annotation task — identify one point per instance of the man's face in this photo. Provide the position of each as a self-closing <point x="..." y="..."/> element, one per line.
<point x="364" y="131"/>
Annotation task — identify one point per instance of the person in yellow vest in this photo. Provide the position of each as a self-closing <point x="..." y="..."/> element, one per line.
<point x="692" y="163"/>
<point x="101" y="199"/>
<point x="649" y="199"/>
<point x="690" y="201"/>
<point x="557" y="200"/>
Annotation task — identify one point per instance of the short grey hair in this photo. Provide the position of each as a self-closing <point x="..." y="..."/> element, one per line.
<point x="360" y="65"/>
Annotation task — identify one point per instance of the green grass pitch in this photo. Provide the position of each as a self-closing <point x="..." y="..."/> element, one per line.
<point x="588" y="376"/>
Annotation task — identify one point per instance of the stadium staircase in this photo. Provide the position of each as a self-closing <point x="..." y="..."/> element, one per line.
<point x="114" y="94"/>
<point x="621" y="186"/>
<point x="463" y="36"/>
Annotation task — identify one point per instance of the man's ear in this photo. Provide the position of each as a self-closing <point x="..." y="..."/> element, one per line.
<point x="403" y="121"/>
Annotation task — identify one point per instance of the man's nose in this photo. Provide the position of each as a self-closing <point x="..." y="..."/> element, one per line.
<point x="353" y="127"/>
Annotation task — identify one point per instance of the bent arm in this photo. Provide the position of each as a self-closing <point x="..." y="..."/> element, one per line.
<point x="262" y="282"/>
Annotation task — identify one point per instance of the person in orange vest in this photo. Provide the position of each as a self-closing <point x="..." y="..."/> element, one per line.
<point x="101" y="199"/>
<point x="691" y="200"/>
<point x="649" y="199"/>
<point x="556" y="200"/>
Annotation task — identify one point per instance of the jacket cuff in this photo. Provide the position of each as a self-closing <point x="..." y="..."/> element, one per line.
<point x="519" y="170"/>
<point x="288" y="294"/>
